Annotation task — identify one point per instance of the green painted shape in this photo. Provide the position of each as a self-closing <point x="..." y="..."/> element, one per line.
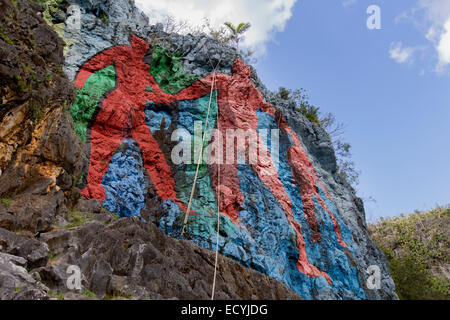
<point x="204" y="203"/>
<point x="168" y="71"/>
<point x="88" y="98"/>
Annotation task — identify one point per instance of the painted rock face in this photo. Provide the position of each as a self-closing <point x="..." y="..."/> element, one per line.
<point x="276" y="215"/>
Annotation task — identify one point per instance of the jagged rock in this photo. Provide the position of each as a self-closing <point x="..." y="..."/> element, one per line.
<point x="54" y="276"/>
<point x="36" y="253"/>
<point x="121" y="287"/>
<point x="91" y="205"/>
<point x="57" y="240"/>
<point x="35" y="213"/>
<point x="44" y="162"/>
<point x="135" y="260"/>
<point x="40" y="153"/>
<point x="100" y="281"/>
<point x="76" y="296"/>
<point x="16" y="283"/>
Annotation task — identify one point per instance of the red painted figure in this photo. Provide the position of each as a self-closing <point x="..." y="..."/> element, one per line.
<point x="122" y="114"/>
<point x="238" y="101"/>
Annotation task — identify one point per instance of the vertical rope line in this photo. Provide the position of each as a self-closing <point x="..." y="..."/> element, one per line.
<point x="200" y="156"/>
<point x="218" y="175"/>
<point x="220" y="143"/>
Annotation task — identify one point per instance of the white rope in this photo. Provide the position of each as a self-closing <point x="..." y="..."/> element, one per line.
<point x="218" y="205"/>
<point x="200" y="156"/>
<point x="218" y="177"/>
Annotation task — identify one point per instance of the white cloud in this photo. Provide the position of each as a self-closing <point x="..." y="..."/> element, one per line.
<point x="401" y="54"/>
<point x="433" y="18"/>
<point x="443" y="47"/>
<point x="347" y="3"/>
<point x="266" y="16"/>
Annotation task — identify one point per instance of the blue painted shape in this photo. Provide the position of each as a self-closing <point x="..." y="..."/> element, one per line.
<point x="154" y="115"/>
<point x="191" y="111"/>
<point x="124" y="182"/>
<point x="264" y="240"/>
<point x="327" y="255"/>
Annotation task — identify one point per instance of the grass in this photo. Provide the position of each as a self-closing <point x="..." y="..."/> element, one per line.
<point x="6" y="202"/>
<point x="37" y="112"/>
<point x="115" y="216"/>
<point x="417" y="249"/>
<point x="52" y="257"/>
<point x="89" y="294"/>
<point x="116" y="295"/>
<point x="50" y="8"/>
<point x="23" y="87"/>
<point x="77" y="219"/>
<point x="5" y="37"/>
<point x="59" y="296"/>
<point x="105" y="19"/>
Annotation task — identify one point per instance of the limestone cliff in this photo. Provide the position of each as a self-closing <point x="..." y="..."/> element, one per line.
<point x="103" y="149"/>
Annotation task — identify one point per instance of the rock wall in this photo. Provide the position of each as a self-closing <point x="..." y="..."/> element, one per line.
<point x="296" y="222"/>
<point x="40" y="156"/>
<point x="47" y="228"/>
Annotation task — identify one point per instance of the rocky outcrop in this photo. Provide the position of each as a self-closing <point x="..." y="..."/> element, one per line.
<point x="34" y="252"/>
<point x="126" y="259"/>
<point x="40" y="154"/>
<point x="303" y="225"/>
<point x="107" y="149"/>
<point x="16" y="283"/>
<point x="132" y="259"/>
<point x="45" y="226"/>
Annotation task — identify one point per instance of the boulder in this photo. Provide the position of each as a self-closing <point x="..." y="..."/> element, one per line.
<point x="16" y="283"/>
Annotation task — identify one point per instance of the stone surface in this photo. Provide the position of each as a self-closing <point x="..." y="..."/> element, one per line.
<point x="301" y="229"/>
<point x="135" y="260"/>
<point x="306" y="214"/>
<point x="39" y="155"/>
<point x="35" y="213"/>
<point x="36" y="253"/>
<point x="16" y="283"/>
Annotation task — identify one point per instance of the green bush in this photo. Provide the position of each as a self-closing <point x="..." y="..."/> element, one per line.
<point x="417" y="249"/>
<point x="302" y="103"/>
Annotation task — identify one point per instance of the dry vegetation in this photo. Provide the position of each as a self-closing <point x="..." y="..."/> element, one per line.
<point x="417" y="247"/>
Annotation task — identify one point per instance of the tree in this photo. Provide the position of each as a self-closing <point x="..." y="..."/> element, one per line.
<point x="302" y="104"/>
<point x="219" y="34"/>
<point x="236" y="32"/>
<point x="346" y="167"/>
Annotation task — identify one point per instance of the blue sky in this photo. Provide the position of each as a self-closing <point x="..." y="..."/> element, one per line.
<point x="397" y="114"/>
<point x="389" y="86"/>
